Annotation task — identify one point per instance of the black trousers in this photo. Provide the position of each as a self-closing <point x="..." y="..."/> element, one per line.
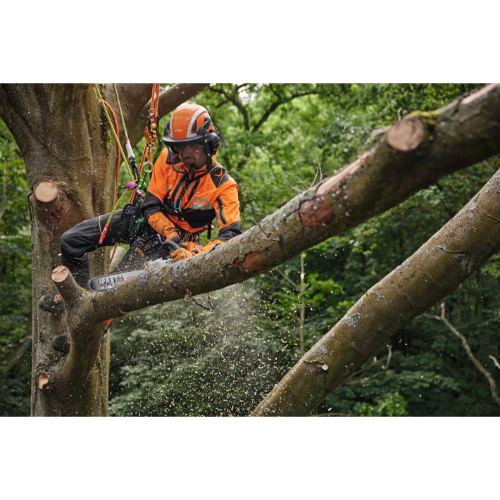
<point x="84" y="238"/>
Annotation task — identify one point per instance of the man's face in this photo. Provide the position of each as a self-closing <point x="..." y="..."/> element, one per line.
<point x="192" y="156"/>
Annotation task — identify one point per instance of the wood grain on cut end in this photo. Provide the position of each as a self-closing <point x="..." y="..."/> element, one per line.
<point x="46" y="192"/>
<point x="406" y="135"/>
<point x="59" y="274"/>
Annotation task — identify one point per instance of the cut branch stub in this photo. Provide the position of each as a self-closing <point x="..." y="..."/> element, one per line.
<point x="42" y="380"/>
<point x="59" y="274"/>
<point x="46" y="192"/>
<point x="66" y="284"/>
<point x="406" y="135"/>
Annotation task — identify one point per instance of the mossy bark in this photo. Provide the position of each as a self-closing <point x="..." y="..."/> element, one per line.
<point x="58" y="131"/>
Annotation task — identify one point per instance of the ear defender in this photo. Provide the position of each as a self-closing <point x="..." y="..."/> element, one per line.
<point x="212" y="139"/>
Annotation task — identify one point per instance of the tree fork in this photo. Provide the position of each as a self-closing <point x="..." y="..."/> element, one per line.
<point x="58" y="131"/>
<point x="86" y="336"/>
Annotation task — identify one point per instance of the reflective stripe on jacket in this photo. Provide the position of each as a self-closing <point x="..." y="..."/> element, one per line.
<point x="191" y="200"/>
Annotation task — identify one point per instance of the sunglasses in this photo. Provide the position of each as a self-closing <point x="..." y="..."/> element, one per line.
<point x="190" y="147"/>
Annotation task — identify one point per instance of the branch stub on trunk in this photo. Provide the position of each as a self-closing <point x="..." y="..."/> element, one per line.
<point x="42" y="380"/>
<point x="59" y="274"/>
<point x="46" y="192"/>
<point x="406" y="135"/>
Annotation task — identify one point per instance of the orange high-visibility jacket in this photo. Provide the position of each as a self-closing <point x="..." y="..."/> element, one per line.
<point x="188" y="200"/>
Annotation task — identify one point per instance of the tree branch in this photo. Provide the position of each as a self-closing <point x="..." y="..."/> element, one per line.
<point x="235" y="100"/>
<point x="376" y="361"/>
<point x="438" y="267"/>
<point x="380" y="179"/>
<point x="136" y="99"/>
<point x="25" y="343"/>
<point x="276" y="104"/>
<point x="497" y="364"/>
<point x="465" y="344"/>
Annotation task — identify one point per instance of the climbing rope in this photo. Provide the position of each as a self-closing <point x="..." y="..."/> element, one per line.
<point x="151" y="139"/>
<point x="117" y="150"/>
<point x="113" y="131"/>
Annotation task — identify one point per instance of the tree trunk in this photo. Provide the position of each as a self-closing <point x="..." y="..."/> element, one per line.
<point x="70" y="160"/>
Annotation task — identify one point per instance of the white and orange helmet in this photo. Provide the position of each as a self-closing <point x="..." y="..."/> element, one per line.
<point x="191" y="124"/>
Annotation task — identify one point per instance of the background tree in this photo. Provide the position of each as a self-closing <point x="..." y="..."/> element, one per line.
<point x="15" y="279"/>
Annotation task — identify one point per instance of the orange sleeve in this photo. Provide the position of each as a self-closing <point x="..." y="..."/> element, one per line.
<point x="227" y="206"/>
<point x="157" y="190"/>
<point x="161" y="224"/>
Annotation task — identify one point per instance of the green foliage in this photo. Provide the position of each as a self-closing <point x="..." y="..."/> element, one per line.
<point x="274" y="159"/>
<point x="178" y="359"/>
<point x="15" y="278"/>
<point x="393" y="405"/>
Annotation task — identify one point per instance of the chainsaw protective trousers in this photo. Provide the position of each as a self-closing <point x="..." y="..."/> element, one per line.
<point x="84" y="238"/>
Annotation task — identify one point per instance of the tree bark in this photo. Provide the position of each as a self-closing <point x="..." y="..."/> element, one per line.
<point x="439" y="266"/>
<point x="70" y="161"/>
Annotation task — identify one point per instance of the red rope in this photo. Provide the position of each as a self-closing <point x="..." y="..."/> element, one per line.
<point x="153" y="111"/>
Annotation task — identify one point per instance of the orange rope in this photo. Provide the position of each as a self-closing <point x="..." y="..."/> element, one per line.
<point x="151" y="141"/>
<point x="150" y="145"/>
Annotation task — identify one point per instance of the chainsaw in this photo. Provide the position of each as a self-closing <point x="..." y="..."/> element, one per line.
<point x="137" y="256"/>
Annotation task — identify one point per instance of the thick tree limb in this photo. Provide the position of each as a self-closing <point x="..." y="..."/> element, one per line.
<point x="456" y="136"/>
<point x="84" y="340"/>
<point x="169" y="100"/>
<point x="439" y="266"/>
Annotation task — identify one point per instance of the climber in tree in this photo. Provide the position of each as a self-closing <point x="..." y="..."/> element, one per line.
<point x="188" y="190"/>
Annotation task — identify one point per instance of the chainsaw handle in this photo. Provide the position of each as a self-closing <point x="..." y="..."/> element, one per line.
<point x="166" y="247"/>
<point x="170" y="245"/>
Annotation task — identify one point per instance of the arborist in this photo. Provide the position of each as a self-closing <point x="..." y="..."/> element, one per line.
<point x="188" y="189"/>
